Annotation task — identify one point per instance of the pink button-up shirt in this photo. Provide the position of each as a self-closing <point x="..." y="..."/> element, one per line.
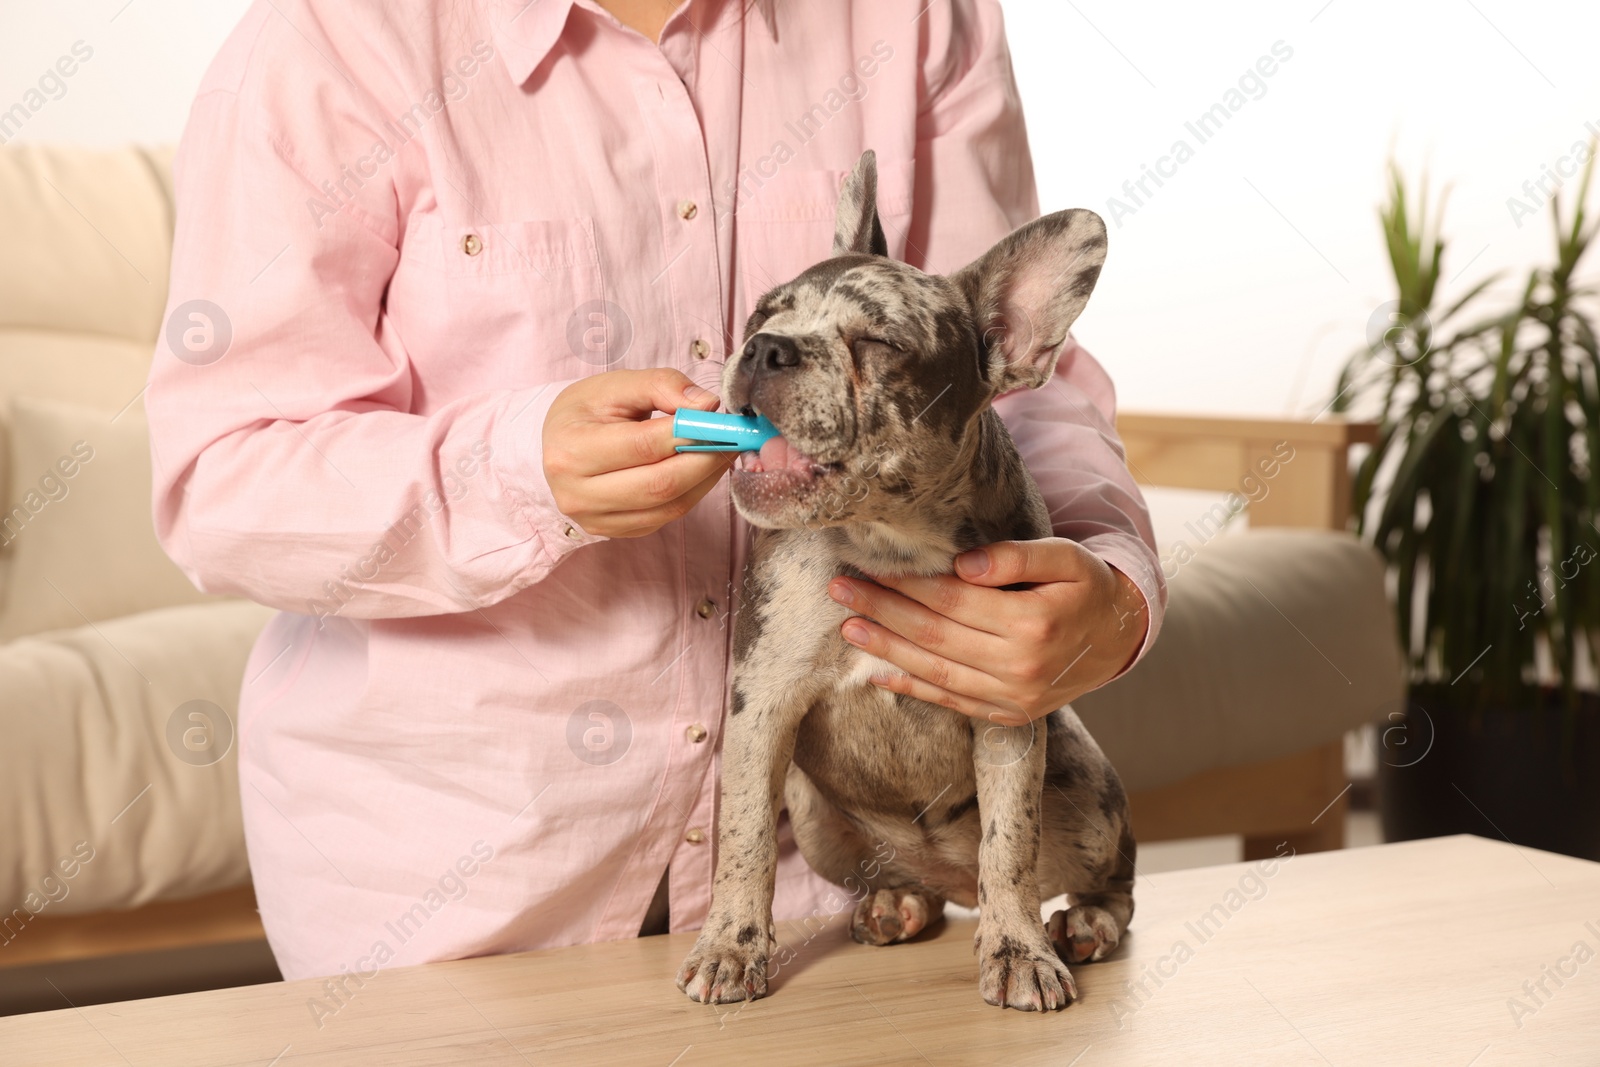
<point x="403" y="227"/>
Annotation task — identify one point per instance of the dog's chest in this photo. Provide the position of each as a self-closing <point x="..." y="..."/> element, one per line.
<point x="866" y="747"/>
<point x="871" y="752"/>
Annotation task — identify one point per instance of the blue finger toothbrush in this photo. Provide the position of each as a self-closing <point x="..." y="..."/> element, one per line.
<point x="721" y="431"/>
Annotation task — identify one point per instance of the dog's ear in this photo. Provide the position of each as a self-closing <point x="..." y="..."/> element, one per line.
<point x="855" y="226"/>
<point x="1026" y="292"/>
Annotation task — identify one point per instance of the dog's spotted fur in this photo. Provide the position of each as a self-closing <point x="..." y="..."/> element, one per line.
<point x="887" y="382"/>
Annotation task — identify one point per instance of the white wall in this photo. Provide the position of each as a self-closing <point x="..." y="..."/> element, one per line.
<point x="148" y="56"/>
<point x="1245" y="278"/>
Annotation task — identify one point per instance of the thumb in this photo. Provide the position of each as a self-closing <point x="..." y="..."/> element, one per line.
<point x="635" y="394"/>
<point x="1012" y="562"/>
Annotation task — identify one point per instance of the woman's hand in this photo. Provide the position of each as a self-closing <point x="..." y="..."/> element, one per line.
<point x="1005" y="655"/>
<point x="611" y="467"/>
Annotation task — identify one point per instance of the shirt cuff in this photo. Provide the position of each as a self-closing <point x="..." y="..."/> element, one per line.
<point x="1132" y="557"/>
<point x="519" y="437"/>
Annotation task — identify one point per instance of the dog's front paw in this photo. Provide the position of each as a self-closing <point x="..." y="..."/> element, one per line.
<point x="721" y="972"/>
<point x="889" y="915"/>
<point x="1083" y="933"/>
<point x="1023" y="973"/>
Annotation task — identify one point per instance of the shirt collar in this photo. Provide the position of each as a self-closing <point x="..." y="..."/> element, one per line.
<point x="525" y="31"/>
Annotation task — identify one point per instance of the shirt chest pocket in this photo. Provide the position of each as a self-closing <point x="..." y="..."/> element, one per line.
<point x="785" y="224"/>
<point x="502" y="305"/>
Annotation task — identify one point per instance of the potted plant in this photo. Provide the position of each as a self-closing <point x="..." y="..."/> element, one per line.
<point x="1482" y="493"/>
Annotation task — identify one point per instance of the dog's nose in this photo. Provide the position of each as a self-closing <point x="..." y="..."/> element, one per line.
<point x="773" y="351"/>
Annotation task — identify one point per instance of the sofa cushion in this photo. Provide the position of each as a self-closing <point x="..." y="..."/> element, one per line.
<point x="83" y="276"/>
<point x="88" y="239"/>
<point x="78" y="530"/>
<point x="77" y="368"/>
<point x="1274" y="641"/>
<point x="93" y="755"/>
<point x="101" y="372"/>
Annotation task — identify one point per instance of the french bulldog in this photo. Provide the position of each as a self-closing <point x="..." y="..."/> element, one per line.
<point x="892" y="460"/>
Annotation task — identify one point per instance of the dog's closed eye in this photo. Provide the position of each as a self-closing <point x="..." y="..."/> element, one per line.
<point x="858" y="348"/>
<point x="873" y="339"/>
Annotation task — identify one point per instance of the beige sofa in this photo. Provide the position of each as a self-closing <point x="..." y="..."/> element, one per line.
<point x="1276" y="643"/>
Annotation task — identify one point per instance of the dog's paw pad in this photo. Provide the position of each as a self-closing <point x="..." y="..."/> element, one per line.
<point x="1028" y="977"/>
<point x="724" y="974"/>
<point x="1083" y="933"/>
<point x="890" y="915"/>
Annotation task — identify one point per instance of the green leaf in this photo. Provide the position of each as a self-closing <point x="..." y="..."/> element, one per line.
<point x="1520" y="385"/>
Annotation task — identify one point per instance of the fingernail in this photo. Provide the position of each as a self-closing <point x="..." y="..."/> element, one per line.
<point x="840" y="590"/>
<point x="972" y="563"/>
<point x="693" y="392"/>
<point x="855" y="632"/>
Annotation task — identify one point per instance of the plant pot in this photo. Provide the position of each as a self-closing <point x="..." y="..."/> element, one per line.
<point x="1528" y="775"/>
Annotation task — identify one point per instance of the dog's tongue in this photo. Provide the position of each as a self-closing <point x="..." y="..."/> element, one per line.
<point x="778" y="454"/>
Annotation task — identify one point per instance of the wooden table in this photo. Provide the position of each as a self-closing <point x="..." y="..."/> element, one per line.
<point x="1400" y="954"/>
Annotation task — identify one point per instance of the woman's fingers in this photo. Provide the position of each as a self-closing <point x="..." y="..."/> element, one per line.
<point x="604" y="423"/>
<point x="635" y="394"/>
<point x="927" y="624"/>
<point x="1048" y="559"/>
<point x="942" y="674"/>
<point x="611" y="466"/>
<point x="913" y="686"/>
<point x="973" y="606"/>
<point x="616" y="446"/>
<point x="667" y="489"/>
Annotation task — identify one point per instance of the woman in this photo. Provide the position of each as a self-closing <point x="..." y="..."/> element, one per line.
<point x="456" y="254"/>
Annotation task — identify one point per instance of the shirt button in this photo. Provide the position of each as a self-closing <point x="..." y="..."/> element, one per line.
<point x="471" y="244"/>
<point x="687" y="209"/>
<point x="699" y="349"/>
<point x="574" y="533"/>
<point x="695" y="837"/>
<point x="697" y="733"/>
<point x="706" y="608"/>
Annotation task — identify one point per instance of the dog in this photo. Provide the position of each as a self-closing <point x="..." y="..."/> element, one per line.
<point x="892" y="461"/>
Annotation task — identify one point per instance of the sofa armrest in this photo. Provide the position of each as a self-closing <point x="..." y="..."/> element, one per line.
<point x="1220" y="453"/>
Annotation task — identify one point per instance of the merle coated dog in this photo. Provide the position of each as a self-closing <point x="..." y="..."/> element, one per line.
<point x="893" y="461"/>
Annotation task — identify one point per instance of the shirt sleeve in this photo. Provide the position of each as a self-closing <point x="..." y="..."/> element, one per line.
<point x="288" y="464"/>
<point x="975" y="184"/>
